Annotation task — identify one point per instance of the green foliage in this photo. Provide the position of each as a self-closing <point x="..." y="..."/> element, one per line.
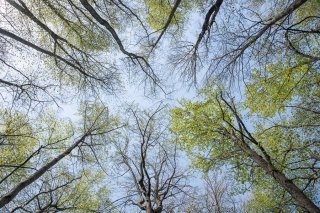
<point x="308" y="9"/>
<point x="264" y="201"/>
<point x="17" y="137"/>
<point x="17" y="141"/>
<point x="96" y="117"/>
<point x="279" y="84"/>
<point x="198" y="126"/>
<point x="82" y="33"/>
<point x="159" y="12"/>
<point x="87" y="194"/>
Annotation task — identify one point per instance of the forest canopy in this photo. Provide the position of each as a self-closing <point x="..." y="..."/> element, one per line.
<point x="159" y="106"/>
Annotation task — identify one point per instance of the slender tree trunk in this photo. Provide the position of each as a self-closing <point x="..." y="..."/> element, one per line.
<point x="16" y="190"/>
<point x="296" y="193"/>
<point x="149" y="208"/>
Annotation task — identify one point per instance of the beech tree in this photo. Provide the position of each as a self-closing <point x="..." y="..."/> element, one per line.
<point x="218" y="133"/>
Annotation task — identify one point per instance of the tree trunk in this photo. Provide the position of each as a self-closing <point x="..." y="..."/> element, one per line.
<point x="149" y="208"/>
<point x="296" y="193"/>
<point x="16" y="190"/>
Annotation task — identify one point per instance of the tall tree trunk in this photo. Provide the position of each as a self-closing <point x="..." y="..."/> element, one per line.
<point x="16" y="190"/>
<point x="296" y="193"/>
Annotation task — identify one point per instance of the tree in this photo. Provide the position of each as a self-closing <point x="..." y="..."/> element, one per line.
<point x="148" y="163"/>
<point x="217" y="132"/>
<point x="53" y="141"/>
<point x="60" y="191"/>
